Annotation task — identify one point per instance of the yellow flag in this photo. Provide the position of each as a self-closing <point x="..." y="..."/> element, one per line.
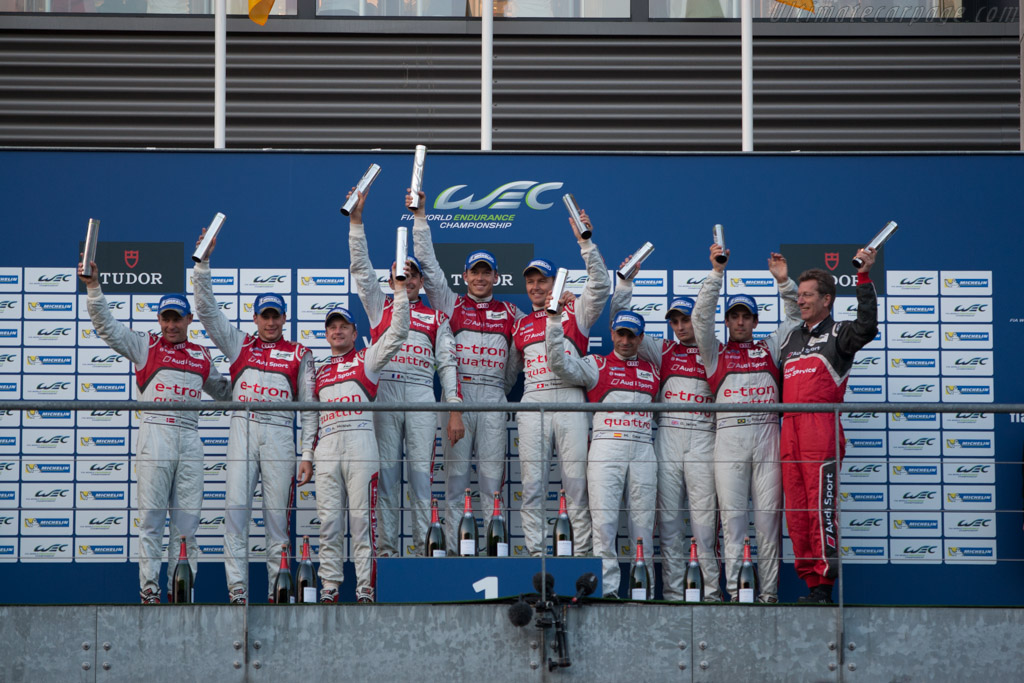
<point x="799" y="4"/>
<point x="259" y="10"/>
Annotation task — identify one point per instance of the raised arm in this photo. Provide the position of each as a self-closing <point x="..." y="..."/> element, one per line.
<point x="132" y="345"/>
<point x="225" y="335"/>
<point x="361" y="268"/>
<point x="599" y="285"/>
<point x="385" y="348"/>
<point x="435" y="284"/>
<point x="578" y="371"/>
<point x="704" y="318"/>
<point x="852" y="337"/>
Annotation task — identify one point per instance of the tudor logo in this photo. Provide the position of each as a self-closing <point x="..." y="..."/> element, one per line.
<point x="831" y="259"/>
<point x="131" y="257"/>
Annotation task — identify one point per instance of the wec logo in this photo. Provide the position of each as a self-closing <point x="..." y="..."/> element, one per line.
<point x="508" y="196"/>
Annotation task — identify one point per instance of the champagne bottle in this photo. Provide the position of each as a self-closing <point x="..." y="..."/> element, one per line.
<point x="467" y="529"/>
<point x="434" y="545"/>
<point x="639" y="580"/>
<point x="748" y="577"/>
<point x="497" y="531"/>
<point x="561" y="533"/>
<point x="693" y="581"/>
<point x="305" y="575"/>
<point x="284" y="586"/>
<point x="183" y="579"/>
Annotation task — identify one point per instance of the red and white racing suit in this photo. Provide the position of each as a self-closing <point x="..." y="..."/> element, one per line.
<point x="260" y="444"/>
<point x="815" y="367"/>
<point x="483" y="334"/>
<point x="407" y="377"/>
<point x="746" y="444"/>
<point x="568" y="430"/>
<point x="170" y="454"/>
<point x="684" y="444"/>
<point x="346" y="453"/>
<point x="620" y="449"/>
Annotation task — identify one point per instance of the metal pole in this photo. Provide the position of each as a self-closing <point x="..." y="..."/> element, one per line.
<point x="220" y="23"/>
<point x="840" y="626"/>
<point x="747" y="73"/>
<point x="486" y="71"/>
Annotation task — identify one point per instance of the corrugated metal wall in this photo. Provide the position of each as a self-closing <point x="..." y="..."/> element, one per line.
<point x="656" y="92"/>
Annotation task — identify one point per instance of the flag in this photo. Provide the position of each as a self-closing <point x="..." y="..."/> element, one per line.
<point x="259" y="10"/>
<point x="807" y="5"/>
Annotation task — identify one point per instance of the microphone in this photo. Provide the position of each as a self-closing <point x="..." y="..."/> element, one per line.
<point x="520" y="613"/>
<point x="585" y="587"/>
<point x="547" y="580"/>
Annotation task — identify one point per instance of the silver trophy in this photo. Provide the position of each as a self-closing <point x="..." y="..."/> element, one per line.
<point x="401" y="252"/>
<point x="92" y="236"/>
<point x="416" y="184"/>
<point x="632" y="266"/>
<point x="361" y="187"/>
<point x="202" y="252"/>
<point x="558" y="290"/>
<point x="574" y="211"/>
<point x="880" y="239"/>
<point x="719" y="233"/>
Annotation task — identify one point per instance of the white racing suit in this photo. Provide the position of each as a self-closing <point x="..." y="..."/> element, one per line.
<point x="684" y="444"/>
<point x="407" y="377"/>
<point x="620" y="449"/>
<point x="747" y="465"/>
<point x="170" y="454"/>
<point x="568" y="430"/>
<point x="260" y="444"/>
<point x="346" y="454"/>
<point x="483" y="334"/>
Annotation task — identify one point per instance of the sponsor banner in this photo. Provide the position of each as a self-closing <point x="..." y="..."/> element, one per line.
<point x="305" y="498"/>
<point x="969" y="472"/>
<point x="256" y="525"/>
<point x="915" y="443"/>
<point x="910" y="550"/>
<point x="89" y="469"/>
<point x="688" y="282"/>
<point x="8" y="550"/>
<point x="322" y="281"/>
<point x="103" y="388"/>
<point x="10" y="494"/>
<point x="968" y="421"/>
<point x="146" y="307"/>
<point x="214" y="418"/>
<point x="913" y="282"/>
<point x="119" y="305"/>
<point x="960" y="497"/>
<point x="99" y="549"/>
<point x="48" y="360"/>
<point x="10" y="306"/>
<point x="868" y="362"/>
<point x="135" y="523"/>
<point x="9" y="418"/>
<point x="307" y="522"/>
<point x="763" y="331"/>
<point x="48" y="418"/>
<point x="512" y="258"/>
<point x="915" y="472"/>
<point x="865" y="390"/>
<point x="101" y="496"/>
<point x="10" y="334"/>
<point x="48" y="496"/>
<point x="230" y="306"/>
<point x="260" y="280"/>
<point x="48" y="387"/>
<point x="10" y="463"/>
<point x="47" y="469"/>
<point x="915" y="524"/>
<point x="914" y="389"/>
<point x="913" y="421"/>
<point x="10" y="390"/>
<point x="211" y="549"/>
<point x="316" y="307"/>
<point x="48" y="441"/>
<point x="577" y="280"/>
<point x="384" y="279"/>
<point x="102" y="361"/>
<point x="88" y="336"/>
<point x="968" y="390"/>
<point x="651" y="309"/>
<point x="754" y="282"/>
<point x="135" y="550"/>
<point x="140" y="267"/>
<point x="103" y="418"/>
<point x="224" y="281"/>
<point x="10" y="361"/>
<point x="10" y="279"/>
<point x="862" y="471"/>
<point x="49" y="333"/>
<point x="970" y="551"/>
<point x="312" y="335"/>
<point x="967" y="363"/>
<point x="969" y="443"/>
<point x="215" y="441"/>
<point x="214" y="496"/>
<point x="47" y="522"/>
<point x="861" y="420"/>
<point x="212" y="524"/>
<point x="862" y="497"/>
<point x="956" y="337"/>
<point x="650" y="283"/>
<point x="50" y="307"/>
<point x="101" y="523"/>
<point x="965" y="282"/>
<point x="845" y="308"/>
<point x="197" y="335"/>
<point x="102" y="441"/>
<point x="922" y="336"/>
<point x="865" y="443"/>
<point x="864" y="524"/>
<point x="865" y="552"/>
<point x="912" y="309"/>
<point x="57" y="549"/>
<point x="658" y="331"/>
<point x="8" y="523"/>
<point x="966" y="310"/>
<point x="913" y="363"/>
<point x="903" y="497"/>
<point x="215" y="468"/>
<point x="969" y="524"/>
<point x="50" y="280"/>
<point x="767" y="309"/>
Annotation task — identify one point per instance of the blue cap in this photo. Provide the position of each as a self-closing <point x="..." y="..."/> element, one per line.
<point x="339" y="311"/>
<point x="744" y="300"/>
<point x="174" y="302"/>
<point x="411" y="259"/>
<point x="481" y="256"/>
<point x="627" y="320"/>
<point x="269" y="300"/>
<point x="541" y="265"/>
<point x="683" y="304"/>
